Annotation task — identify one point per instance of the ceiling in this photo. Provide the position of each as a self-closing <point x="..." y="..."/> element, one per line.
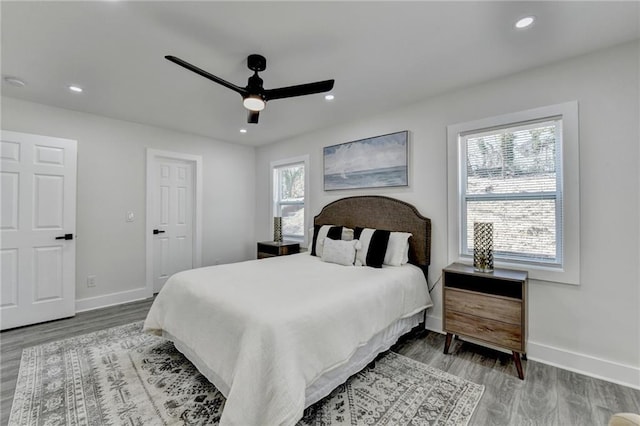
<point x="382" y="55"/>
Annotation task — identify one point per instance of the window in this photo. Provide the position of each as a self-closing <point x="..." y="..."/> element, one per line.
<point x="289" y="201"/>
<point x="510" y="170"/>
<point x="513" y="178"/>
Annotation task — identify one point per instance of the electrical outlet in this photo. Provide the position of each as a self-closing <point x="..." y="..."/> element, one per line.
<point x="91" y="281"/>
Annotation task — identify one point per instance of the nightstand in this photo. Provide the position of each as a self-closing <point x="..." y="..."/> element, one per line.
<point x="487" y="306"/>
<point x="273" y="248"/>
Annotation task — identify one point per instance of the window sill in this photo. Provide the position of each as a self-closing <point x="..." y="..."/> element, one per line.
<point x="536" y="272"/>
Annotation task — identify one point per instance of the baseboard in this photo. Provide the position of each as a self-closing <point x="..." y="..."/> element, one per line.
<point x="433" y="323"/>
<point x="625" y="375"/>
<point x="97" y="302"/>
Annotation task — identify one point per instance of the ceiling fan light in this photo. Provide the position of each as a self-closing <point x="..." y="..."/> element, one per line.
<point x="253" y="103"/>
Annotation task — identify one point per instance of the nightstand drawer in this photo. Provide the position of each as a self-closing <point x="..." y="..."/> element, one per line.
<point x="496" y="332"/>
<point x="501" y="309"/>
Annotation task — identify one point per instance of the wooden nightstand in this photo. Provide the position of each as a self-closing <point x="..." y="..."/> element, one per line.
<point x="487" y="306"/>
<point x="272" y="248"/>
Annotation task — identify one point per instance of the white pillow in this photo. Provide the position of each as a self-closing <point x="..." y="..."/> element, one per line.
<point x="405" y="257"/>
<point x="365" y="246"/>
<point x="346" y="234"/>
<point x="339" y="251"/>
<point x="398" y="249"/>
<point x="394" y="253"/>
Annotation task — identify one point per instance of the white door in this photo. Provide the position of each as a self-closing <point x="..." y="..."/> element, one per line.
<point x="172" y="218"/>
<point x="38" y="225"/>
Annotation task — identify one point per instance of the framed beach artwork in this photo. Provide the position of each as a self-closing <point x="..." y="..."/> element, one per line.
<point x="375" y="162"/>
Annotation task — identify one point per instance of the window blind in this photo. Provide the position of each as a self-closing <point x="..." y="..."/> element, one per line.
<point x="289" y="193"/>
<point x="512" y="176"/>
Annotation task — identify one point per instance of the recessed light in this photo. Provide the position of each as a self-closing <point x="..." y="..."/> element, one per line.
<point x="525" y="22"/>
<point x="15" y="81"/>
<point x="329" y="97"/>
<point x="76" y="89"/>
<point x="243" y="130"/>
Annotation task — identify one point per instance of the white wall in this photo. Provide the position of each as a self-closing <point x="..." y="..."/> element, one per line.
<point x="593" y="327"/>
<point x="112" y="181"/>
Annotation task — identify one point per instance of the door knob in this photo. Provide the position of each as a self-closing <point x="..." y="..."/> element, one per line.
<point x="157" y="231"/>
<point x="65" y="237"/>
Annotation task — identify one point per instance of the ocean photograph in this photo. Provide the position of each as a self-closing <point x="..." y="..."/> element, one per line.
<point x="367" y="163"/>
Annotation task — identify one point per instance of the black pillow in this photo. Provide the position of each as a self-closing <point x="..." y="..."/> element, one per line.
<point x="377" y="248"/>
<point x="335" y="233"/>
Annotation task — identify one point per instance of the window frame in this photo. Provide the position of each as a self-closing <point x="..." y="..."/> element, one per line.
<point x="567" y="193"/>
<point x="275" y="195"/>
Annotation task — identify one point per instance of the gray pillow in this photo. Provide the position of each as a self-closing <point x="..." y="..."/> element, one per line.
<point x="339" y="251"/>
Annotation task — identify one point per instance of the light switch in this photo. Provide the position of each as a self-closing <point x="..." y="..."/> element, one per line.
<point x="130" y="216"/>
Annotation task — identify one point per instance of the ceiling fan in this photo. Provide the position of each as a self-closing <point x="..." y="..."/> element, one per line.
<point x="254" y="96"/>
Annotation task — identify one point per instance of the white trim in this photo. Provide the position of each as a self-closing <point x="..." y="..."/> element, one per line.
<point x="307" y="213"/>
<point x="97" y="302"/>
<point x="614" y="372"/>
<point x="622" y="374"/>
<point x="152" y="154"/>
<point x="570" y="271"/>
<point x="433" y="323"/>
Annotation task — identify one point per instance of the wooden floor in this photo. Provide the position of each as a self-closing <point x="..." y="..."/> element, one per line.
<point x="547" y="396"/>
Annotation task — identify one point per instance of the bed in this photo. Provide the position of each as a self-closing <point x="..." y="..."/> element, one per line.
<point x="277" y="335"/>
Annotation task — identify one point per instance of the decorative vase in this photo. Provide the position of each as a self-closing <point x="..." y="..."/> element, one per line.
<point x="277" y="229"/>
<point x="483" y="246"/>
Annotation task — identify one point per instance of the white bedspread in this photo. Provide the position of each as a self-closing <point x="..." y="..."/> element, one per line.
<point x="264" y="330"/>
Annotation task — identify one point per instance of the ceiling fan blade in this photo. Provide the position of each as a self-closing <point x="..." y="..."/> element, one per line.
<point x="299" y="90"/>
<point x="252" y="117"/>
<point x="207" y="75"/>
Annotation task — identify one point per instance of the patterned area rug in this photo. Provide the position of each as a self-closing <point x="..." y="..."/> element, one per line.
<point x="123" y="376"/>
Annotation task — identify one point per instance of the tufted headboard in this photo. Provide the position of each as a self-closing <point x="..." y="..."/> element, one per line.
<point x="379" y="212"/>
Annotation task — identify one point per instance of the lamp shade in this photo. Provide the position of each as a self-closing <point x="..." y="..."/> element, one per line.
<point x="483" y="246"/>
<point x="277" y="229"/>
